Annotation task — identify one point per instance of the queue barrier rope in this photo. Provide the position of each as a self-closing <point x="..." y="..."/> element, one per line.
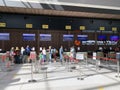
<point x="97" y="57"/>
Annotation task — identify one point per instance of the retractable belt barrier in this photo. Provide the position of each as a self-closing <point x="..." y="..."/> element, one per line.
<point x="71" y="59"/>
<point x="116" y="59"/>
<point x="104" y="58"/>
<point x="108" y="58"/>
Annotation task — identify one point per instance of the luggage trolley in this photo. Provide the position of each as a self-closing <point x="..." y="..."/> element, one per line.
<point x="80" y="57"/>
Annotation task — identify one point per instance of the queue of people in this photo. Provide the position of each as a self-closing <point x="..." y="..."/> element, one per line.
<point x="22" y="55"/>
<point x="50" y="54"/>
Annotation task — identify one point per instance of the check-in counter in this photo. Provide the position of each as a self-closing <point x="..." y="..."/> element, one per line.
<point x="100" y="55"/>
<point x="112" y="55"/>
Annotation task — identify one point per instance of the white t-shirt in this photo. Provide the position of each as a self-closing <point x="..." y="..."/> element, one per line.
<point x="44" y="52"/>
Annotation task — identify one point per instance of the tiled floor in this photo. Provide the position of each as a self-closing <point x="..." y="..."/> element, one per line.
<point x="59" y="77"/>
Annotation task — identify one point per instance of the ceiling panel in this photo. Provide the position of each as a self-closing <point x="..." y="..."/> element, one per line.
<point x="75" y="8"/>
<point x="1" y="3"/>
<point x="110" y="3"/>
<point x="57" y="13"/>
<point x="36" y="5"/>
<point x="13" y="3"/>
<point x="105" y="4"/>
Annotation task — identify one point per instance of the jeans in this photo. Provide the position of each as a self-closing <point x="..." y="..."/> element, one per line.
<point x="61" y="57"/>
<point x="44" y="57"/>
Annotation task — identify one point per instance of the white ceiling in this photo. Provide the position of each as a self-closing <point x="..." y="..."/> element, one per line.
<point x="106" y="4"/>
<point x="51" y="7"/>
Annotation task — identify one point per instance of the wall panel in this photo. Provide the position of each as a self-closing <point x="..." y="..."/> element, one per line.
<point x="57" y="39"/>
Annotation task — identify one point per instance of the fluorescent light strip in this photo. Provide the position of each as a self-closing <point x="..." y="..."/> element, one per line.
<point x="70" y="4"/>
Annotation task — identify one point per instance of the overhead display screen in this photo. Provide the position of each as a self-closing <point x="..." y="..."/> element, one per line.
<point x="4" y="36"/>
<point x="45" y="37"/>
<point x="68" y="37"/>
<point x="101" y="37"/>
<point x="82" y="37"/>
<point x="28" y="37"/>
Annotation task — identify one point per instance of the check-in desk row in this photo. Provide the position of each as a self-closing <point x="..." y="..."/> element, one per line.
<point x="108" y="55"/>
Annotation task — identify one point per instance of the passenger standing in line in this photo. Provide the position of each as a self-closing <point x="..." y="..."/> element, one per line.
<point x="25" y="57"/>
<point x="28" y="49"/>
<point x="44" y="54"/>
<point x="72" y="51"/>
<point x="33" y="58"/>
<point x="40" y="49"/>
<point x="54" y="54"/>
<point x="50" y="54"/>
<point x="40" y="57"/>
<point x="17" y="56"/>
<point x="21" y="54"/>
<point x="22" y="50"/>
<point x="12" y="53"/>
<point x="61" y="53"/>
<point x="105" y="51"/>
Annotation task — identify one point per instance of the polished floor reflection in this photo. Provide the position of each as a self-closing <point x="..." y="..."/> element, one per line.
<point x="59" y="76"/>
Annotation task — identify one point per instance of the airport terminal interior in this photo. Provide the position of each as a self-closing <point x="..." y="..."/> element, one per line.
<point x="59" y="45"/>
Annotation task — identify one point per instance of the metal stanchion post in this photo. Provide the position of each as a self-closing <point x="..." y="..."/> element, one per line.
<point x="32" y="80"/>
<point x="80" y="56"/>
<point x="44" y="71"/>
<point x="95" y="59"/>
<point x="106" y="59"/>
<point x="68" y="65"/>
<point x="86" y="61"/>
<point x="80" y="72"/>
<point x="118" y="64"/>
<point x="118" y="69"/>
<point x="32" y="57"/>
<point x="96" y="64"/>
